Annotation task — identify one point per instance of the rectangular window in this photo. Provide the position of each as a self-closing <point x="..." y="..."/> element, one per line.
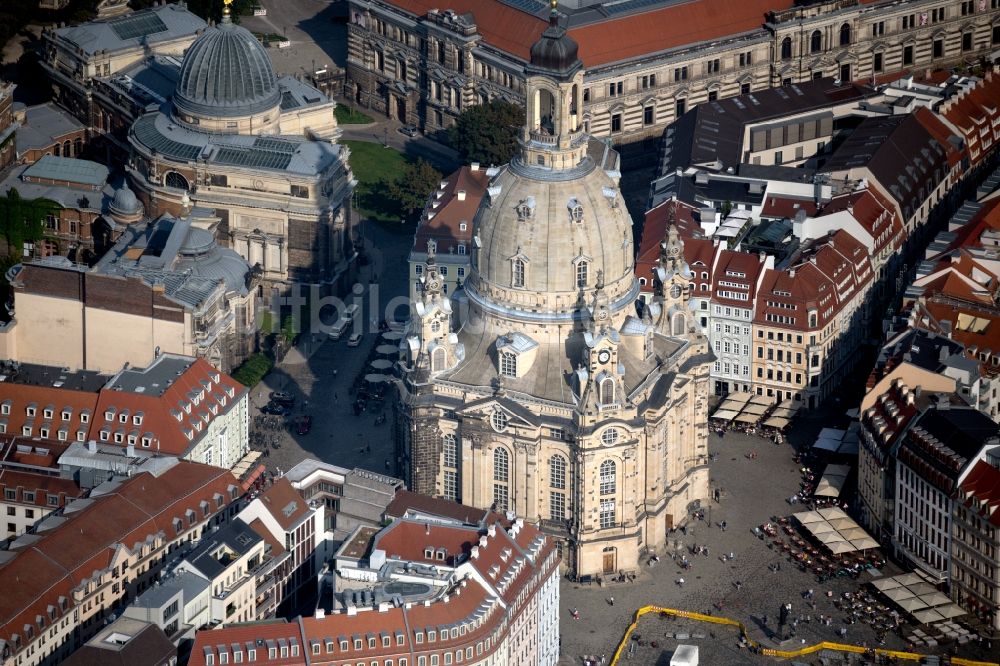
<point x="744" y="88"/>
<point x="300" y="191"/>
<point x="907" y="55"/>
<point x="607" y="513"/>
<point x="967" y="41"/>
<point x="712" y="66"/>
<point x="616" y="122"/>
<point x="557" y="506"/>
<point x="877" y="62"/>
<point x="500" y="496"/>
<point x="713" y="95"/>
<point x="615" y="89"/>
<point x="680" y="73"/>
<point x="451" y="485"/>
<point x="679" y="108"/>
<point x="648" y="115"/>
<point x="938" y="48"/>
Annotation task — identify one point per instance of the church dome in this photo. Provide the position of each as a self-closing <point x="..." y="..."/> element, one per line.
<point x="125" y="202"/>
<point x="555" y="51"/>
<point x="226" y="73"/>
<point x="200" y="255"/>
<point x="546" y="244"/>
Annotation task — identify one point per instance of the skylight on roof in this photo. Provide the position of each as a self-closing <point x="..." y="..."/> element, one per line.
<point x="137" y="25"/>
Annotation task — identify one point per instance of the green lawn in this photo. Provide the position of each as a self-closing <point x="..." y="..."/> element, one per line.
<point x="375" y="166"/>
<point x="348" y="116"/>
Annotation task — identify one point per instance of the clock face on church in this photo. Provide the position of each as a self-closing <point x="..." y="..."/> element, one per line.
<point x="674" y="251"/>
<point x="604" y="356"/>
<point x="675" y="291"/>
<point x="432" y="285"/>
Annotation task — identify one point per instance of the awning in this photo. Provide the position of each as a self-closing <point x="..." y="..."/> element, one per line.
<point x="724" y="415"/>
<point x="832" y="512"/>
<point x="381" y="364"/>
<point x="827" y="444"/>
<point x="899" y="593"/>
<point x="747" y="418"/>
<point x="732" y="405"/>
<point x="822" y="527"/>
<point x="376" y="378"/>
<point x="388" y="350"/>
<point x="252" y="477"/>
<point x="950" y="611"/>
<point x="838" y="547"/>
<point x="929" y="616"/>
<point x="885" y="584"/>
<point x="832" y="433"/>
<point x="392" y="335"/>
<point x="911" y="604"/>
<point x="755" y="409"/>
<point x="854" y="533"/>
<point x="832" y="482"/>
<point x="935" y="599"/>
<point x="765" y="400"/>
<point x="784" y="413"/>
<point x="807" y="517"/>
<point x="866" y="543"/>
<point x="777" y="422"/>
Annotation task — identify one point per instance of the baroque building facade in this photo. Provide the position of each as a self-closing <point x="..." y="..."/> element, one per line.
<point x="538" y="389"/>
<point x="647" y="65"/>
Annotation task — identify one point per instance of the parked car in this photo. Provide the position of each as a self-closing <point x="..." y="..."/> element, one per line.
<point x="303" y="424"/>
<point x="409" y="130"/>
<point x="275" y="409"/>
<point x="282" y="398"/>
<point x="354" y="340"/>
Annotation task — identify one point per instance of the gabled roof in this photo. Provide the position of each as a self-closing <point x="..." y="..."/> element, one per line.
<point x="450" y="206"/>
<point x="175" y="396"/>
<point x="407" y="501"/>
<point x="973" y="112"/>
<point x="983" y="485"/>
<point x="284" y="503"/>
<point x="144" y="506"/>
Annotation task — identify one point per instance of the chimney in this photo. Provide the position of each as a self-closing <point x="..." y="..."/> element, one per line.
<point x="474" y="166"/>
<point x="474" y="554"/>
<point x="427" y="528"/>
<point x="92" y="446"/>
<point x="320" y="613"/>
<point x="130" y="450"/>
<point x="791" y="272"/>
<point x="461" y="195"/>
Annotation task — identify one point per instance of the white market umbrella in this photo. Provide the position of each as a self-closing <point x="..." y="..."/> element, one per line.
<point x="807" y="517"/>
<point x="381" y="364"/>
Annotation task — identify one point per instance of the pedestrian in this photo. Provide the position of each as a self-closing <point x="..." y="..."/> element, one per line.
<point x="723" y="526"/>
<point x="611" y="601"/>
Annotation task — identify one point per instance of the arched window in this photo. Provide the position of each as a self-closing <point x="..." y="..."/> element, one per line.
<point x="57" y="149"/>
<point x="786" y="48"/>
<point x="508" y="364"/>
<point x="501" y="465"/>
<point x="439" y="359"/>
<point x="174" y="179"/>
<point x="845" y="34"/>
<point x="67" y="147"/>
<point x="816" y="42"/>
<point x="449" y="449"/>
<point x="609" y="484"/>
<point x="501" y="475"/>
<point x="677" y="324"/>
<point x="581" y="274"/>
<point x="557" y="472"/>
<point x="517" y="273"/>
<point x="607" y="391"/>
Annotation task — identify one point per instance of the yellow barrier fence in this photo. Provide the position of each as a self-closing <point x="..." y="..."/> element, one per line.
<point x="770" y="652"/>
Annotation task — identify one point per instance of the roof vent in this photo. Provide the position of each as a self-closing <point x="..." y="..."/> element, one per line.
<point x="461" y="195"/>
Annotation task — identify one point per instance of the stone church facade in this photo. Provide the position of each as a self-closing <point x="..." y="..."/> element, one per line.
<point x="540" y="388"/>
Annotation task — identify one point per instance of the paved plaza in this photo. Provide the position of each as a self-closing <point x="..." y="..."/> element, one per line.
<point x="752" y="492"/>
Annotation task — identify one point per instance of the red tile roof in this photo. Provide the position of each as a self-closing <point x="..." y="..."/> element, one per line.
<point x="285" y="504"/>
<point x="873" y="212"/>
<point x="613" y="39"/>
<point x="970" y="234"/>
<point x="699" y="253"/>
<point x="976" y="114"/>
<point x="734" y="268"/>
<point x="68" y="554"/>
<point x="446" y="211"/>
<point x="941" y="133"/>
<point x="495" y="563"/>
<point x="778" y="207"/>
<point x="406" y="500"/>
<point x="18" y="398"/>
<point x="983" y="485"/>
<point x="42" y="485"/>
<point x="258" y="636"/>
<point x="175" y="419"/>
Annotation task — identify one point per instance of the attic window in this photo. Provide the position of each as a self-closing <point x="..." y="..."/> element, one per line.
<point x="137" y="419"/>
<point x="109" y="415"/>
<point x="5" y="407"/>
<point x="429" y="553"/>
<point x="67" y="414"/>
<point x="30" y="409"/>
<point x="48" y="412"/>
<point x="85" y="416"/>
<point x="119" y="437"/>
<point x="123" y="417"/>
<point x="105" y="434"/>
<point x="146" y="441"/>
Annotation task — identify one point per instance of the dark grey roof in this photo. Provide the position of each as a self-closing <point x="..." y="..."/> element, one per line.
<point x="31" y="374"/>
<point x="944" y="440"/>
<point x="188" y="584"/>
<point x="146" y="27"/>
<point x="127" y="642"/>
<point x="226" y="72"/>
<point x="43" y="124"/>
<point x="236" y="536"/>
<point x="900" y="153"/>
<point x="555" y="52"/>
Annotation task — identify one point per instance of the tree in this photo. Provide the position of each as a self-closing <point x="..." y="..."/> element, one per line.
<point x="487" y="133"/>
<point x="23" y="220"/>
<point x="414" y="185"/>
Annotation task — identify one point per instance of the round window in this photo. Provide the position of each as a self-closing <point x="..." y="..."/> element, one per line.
<point x="499" y="421"/>
<point x="610" y="436"/>
<point x="435" y="326"/>
<point x="675" y="291"/>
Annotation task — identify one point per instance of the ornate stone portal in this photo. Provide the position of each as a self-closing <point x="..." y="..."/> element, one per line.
<point x="540" y="388"/>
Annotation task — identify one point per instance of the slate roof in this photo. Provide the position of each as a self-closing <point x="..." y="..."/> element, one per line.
<point x="70" y="169"/>
<point x="146" y="27"/>
<point x="44" y="125"/>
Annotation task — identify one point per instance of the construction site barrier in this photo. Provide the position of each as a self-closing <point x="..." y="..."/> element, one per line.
<point x="771" y="652"/>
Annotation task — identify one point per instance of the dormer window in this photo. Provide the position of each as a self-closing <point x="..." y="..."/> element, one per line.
<point x="5" y="407"/>
<point x="48" y="412"/>
<point x="109" y="414"/>
<point x="517" y="273"/>
<point x="123" y="417"/>
<point x="67" y="414"/>
<point x="31" y="409"/>
<point x="119" y="437"/>
<point x="85" y="416"/>
<point x="105" y="434"/>
<point x="137" y="419"/>
<point x="575" y="210"/>
<point x="581" y="274"/>
<point x="508" y="364"/>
